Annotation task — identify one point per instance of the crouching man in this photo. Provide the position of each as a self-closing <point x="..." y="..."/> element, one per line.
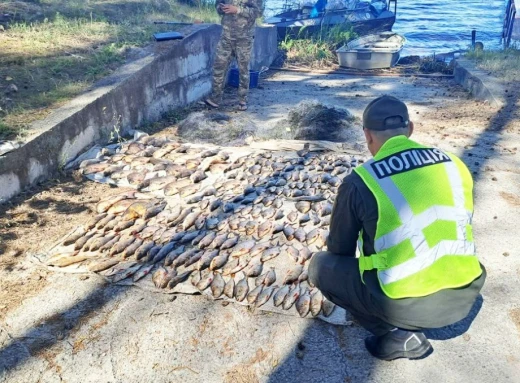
<point x="410" y="210"/>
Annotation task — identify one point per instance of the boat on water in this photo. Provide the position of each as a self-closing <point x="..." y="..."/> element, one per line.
<point x="364" y="17"/>
<point x="376" y="51"/>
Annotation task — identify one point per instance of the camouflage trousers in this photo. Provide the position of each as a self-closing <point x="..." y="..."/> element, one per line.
<point x="227" y="49"/>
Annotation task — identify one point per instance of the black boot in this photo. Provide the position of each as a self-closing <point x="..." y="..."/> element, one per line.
<point x="398" y="344"/>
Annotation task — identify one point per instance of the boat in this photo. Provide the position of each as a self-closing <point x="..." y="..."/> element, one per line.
<point x="375" y="51"/>
<point x="364" y="17"/>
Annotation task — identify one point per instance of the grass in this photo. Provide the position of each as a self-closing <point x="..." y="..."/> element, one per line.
<point x="504" y="64"/>
<point x="317" y="50"/>
<point x="53" y="50"/>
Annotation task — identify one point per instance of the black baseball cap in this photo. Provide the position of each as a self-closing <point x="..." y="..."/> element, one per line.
<point x="382" y="113"/>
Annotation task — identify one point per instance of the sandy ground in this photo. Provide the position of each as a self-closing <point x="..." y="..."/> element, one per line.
<point x="73" y="328"/>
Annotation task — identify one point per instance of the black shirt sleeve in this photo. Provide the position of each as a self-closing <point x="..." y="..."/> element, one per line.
<point x="347" y="218"/>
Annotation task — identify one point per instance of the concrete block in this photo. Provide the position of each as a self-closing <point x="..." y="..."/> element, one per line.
<point x="481" y="85"/>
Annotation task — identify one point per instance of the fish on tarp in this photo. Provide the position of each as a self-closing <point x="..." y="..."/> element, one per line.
<point x="265" y="295"/>
<point x="280" y="295"/>
<point x="291" y="297"/>
<point x="229" y="288"/>
<point x="316" y="302"/>
<point x="205" y="281"/>
<point x="182" y="277"/>
<point x="241" y="289"/>
<point x="327" y="307"/>
<point x="217" y="286"/>
<point x="100" y="265"/>
<point x="159" y="278"/>
<point x="143" y="272"/>
<point x="126" y="273"/>
<point x="252" y="296"/>
<point x="303" y="304"/>
<point x="131" y="249"/>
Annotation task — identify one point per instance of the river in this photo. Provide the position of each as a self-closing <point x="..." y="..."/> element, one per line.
<point x="440" y="26"/>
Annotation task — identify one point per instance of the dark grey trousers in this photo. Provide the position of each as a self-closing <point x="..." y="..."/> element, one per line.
<point x="339" y="279"/>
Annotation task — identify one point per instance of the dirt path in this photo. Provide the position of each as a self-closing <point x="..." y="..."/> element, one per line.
<point x="67" y="327"/>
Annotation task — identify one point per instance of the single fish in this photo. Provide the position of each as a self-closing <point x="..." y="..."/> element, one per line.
<point x="109" y="244"/>
<point x="291" y="297"/>
<point x="303" y="206"/>
<point x="207" y="240"/>
<point x="198" y="176"/>
<point x="265" y="295"/>
<point x="288" y="231"/>
<point x="278" y="228"/>
<point x="229" y="288"/>
<point x="172" y="255"/>
<point x="126" y="273"/>
<point x="90" y="224"/>
<point x="212" y="223"/>
<point x="215" y="204"/>
<point x="243" y="248"/>
<point x="182" y="216"/>
<point x="152" y="211"/>
<point x="103" y="264"/>
<point x="200" y="223"/>
<point x="218" y="241"/>
<point x="229" y="243"/>
<point x="194" y="258"/>
<point x="230" y="266"/>
<point x="190" y="220"/>
<point x="131" y="249"/>
<point x="312" y="236"/>
<point x="293" y="274"/>
<point x="264" y="229"/>
<point x="304" y="255"/>
<point x="219" y="261"/>
<point x="143" y="272"/>
<point x="293" y="253"/>
<point x="271" y="253"/>
<point x="303" y="276"/>
<point x="196" y="277"/>
<point x="206" y="259"/>
<point x="327" y="307"/>
<point x="280" y="295"/>
<point x="188" y="237"/>
<point x="104" y="221"/>
<point x="162" y="253"/>
<point x="96" y="243"/>
<point x="259" y="248"/>
<point x="241" y="289"/>
<point x="303" y="304"/>
<point x="205" y="281"/>
<point x="179" y="279"/>
<point x="121" y="245"/>
<point x="300" y="235"/>
<point x="253" y="294"/>
<point x="189" y="190"/>
<point x="159" y="278"/>
<point x="316" y="303"/>
<point x="268" y="213"/>
<point x="254" y="269"/>
<point x="217" y="286"/>
<point x="183" y="257"/>
<point x="270" y="277"/>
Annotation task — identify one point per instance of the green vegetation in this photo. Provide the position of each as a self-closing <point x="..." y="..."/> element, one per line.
<point x="52" y="50"/>
<point x="317" y="50"/>
<point x="504" y="64"/>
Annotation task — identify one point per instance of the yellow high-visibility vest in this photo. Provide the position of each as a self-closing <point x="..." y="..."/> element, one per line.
<point x="424" y="238"/>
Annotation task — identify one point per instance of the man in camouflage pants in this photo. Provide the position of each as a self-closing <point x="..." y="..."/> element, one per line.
<point x="238" y="28"/>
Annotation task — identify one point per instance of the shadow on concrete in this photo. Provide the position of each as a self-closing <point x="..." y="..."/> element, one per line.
<point x="54" y="329"/>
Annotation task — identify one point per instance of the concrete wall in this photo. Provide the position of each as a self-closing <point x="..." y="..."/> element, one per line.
<point x="173" y="74"/>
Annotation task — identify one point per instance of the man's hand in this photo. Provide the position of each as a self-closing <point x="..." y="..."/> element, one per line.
<point x="228" y="8"/>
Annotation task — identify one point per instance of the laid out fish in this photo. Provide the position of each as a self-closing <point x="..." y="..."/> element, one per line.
<point x="303" y="206"/>
<point x="229" y="288"/>
<point x="198" y="176"/>
<point x="303" y="304"/>
<point x="291" y="297"/>
<point x="172" y="255"/>
<point x="159" y="278"/>
<point x="182" y="277"/>
<point x="293" y="274"/>
<point x="265" y="295"/>
<point x="271" y="253"/>
<point x="162" y="253"/>
<point x="207" y="240"/>
<point x="304" y="255"/>
<point x="126" y="273"/>
<point x="217" y="286"/>
<point x="316" y="303"/>
<point x="254" y="268"/>
<point x="105" y="204"/>
<point x="109" y="244"/>
<point x="190" y="220"/>
<point x="252" y="296"/>
<point x="327" y="307"/>
<point x="219" y="261"/>
<point x="189" y="190"/>
<point x="100" y="241"/>
<point x="280" y="295"/>
<point x="300" y="235"/>
<point x="121" y="245"/>
<point x="91" y="223"/>
<point x="289" y="231"/>
<point x="102" y="222"/>
<point x="293" y="253"/>
<point x="229" y="243"/>
<point x="312" y="236"/>
<point x="205" y="281"/>
<point x="131" y="249"/>
<point x="188" y="237"/>
<point x="303" y="276"/>
<point x="103" y="264"/>
<point x="242" y="248"/>
<point x="218" y="241"/>
<point x="152" y="211"/>
<point x="206" y="259"/>
<point x="264" y="229"/>
<point x="230" y="266"/>
<point x="194" y="258"/>
<point x="143" y="272"/>
<point x="241" y="289"/>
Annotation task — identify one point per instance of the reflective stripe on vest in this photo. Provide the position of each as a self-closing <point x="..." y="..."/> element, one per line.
<point x="412" y="229"/>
